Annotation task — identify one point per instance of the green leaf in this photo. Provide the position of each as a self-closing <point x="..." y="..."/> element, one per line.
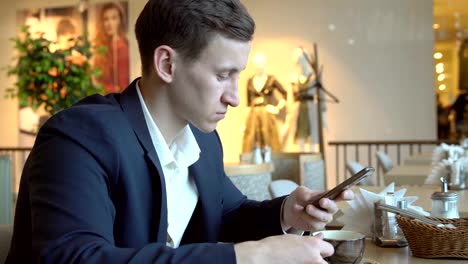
<point x="41" y="73"/>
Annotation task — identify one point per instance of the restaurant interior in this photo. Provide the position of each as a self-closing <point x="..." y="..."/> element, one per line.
<point x="386" y="89"/>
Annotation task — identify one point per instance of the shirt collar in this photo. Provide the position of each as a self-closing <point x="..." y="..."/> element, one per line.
<point x="184" y="150"/>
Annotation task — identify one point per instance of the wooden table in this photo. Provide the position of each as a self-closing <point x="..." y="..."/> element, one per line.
<point x="424" y="200"/>
<point x="424" y="158"/>
<point x="403" y="255"/>
<point x="408" y="174"/>
<point x="424" y="196"/>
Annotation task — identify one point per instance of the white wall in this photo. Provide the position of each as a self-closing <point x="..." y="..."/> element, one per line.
<point x="384" y="80"/>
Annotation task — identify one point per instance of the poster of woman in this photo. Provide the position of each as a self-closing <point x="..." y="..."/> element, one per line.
<point x="106" y="24"/>
<point x="111" y="32"/>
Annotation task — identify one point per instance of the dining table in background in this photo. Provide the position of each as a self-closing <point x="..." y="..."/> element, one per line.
<point x="424" y="196"/>
<point x="424" y="158"/>
<point x="408" y="174"/>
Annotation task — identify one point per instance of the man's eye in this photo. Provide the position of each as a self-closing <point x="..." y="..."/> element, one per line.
<point x="222" y="77"/>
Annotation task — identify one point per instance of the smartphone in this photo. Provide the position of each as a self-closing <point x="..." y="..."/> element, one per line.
<point x="346" y="184"/>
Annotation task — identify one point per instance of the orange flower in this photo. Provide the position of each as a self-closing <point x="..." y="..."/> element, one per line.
<point x="53" y="72"/>
<point x="63" y="92"/>
<point x="77" y="58"/>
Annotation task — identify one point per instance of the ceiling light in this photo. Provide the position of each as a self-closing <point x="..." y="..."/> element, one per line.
<point x="439" y="67"/>
<point x="442" y="87"/>
<point x="438" y="55"/>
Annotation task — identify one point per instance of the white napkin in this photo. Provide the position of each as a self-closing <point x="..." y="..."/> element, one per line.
<point x="447" y="167"/>
<point x="440" y="169"/>
<point x="445" y="151"/>
<point x="360" y="216"/>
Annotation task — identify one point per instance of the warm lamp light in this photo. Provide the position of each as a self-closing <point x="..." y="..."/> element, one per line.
<point x="441" y="77"/>
<point x="438" y="55"/>
<point x="436" y="26"/>
<point x="439" y="67"/>
<point x="442" y="87"/>
<point x="259" y="59"/>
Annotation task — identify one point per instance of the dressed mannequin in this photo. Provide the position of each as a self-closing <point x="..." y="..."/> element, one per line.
<point x="266" y="99"/>
<point x="304" y="117"/>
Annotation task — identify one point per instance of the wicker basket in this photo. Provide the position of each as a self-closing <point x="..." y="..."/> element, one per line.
<point x="429" y="241"/>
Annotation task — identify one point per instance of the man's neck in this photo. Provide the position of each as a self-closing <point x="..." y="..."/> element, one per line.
<point x="156" y="100"/>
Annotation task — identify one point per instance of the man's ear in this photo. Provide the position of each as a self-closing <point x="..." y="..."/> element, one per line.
<point x="163" y="59"/>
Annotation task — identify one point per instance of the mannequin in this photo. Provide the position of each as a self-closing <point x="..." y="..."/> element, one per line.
<point x="305" y="120"/>
<point x="266" y="99"/>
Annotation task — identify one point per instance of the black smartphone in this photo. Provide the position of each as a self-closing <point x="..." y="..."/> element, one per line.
<point x="346" y="184"/>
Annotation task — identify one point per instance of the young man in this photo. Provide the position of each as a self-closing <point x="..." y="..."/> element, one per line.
<point x="138" y="177"/>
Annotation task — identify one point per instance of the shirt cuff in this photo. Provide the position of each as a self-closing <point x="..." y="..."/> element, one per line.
<point x="290" y="230"/>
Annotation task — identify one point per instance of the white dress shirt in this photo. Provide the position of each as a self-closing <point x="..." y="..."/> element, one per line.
<point x="181" y="191"/>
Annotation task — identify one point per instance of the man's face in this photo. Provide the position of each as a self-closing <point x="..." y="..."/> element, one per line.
<point x="202" y="90"/>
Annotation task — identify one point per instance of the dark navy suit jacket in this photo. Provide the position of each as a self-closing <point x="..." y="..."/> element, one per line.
<point x="93" y="191"/>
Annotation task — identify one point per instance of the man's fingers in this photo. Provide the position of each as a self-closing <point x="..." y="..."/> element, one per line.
<point x="315" y="213"/>
<point x="326" y="249"/>
<point x="345" y="195"/>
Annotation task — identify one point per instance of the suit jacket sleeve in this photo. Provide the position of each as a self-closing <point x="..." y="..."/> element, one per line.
<point x="68" y="179"/>
<point x="244" y="219"/>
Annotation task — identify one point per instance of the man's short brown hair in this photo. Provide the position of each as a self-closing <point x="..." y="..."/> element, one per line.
<point x="188" y="25"/>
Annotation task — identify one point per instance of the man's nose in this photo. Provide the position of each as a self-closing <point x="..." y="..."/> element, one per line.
<point x="231" y="95"/>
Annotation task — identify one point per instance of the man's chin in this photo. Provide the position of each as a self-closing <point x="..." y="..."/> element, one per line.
<point x="205" y="128"/>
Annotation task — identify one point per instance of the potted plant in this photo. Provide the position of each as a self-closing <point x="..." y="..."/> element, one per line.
<point x="50" y="77"/>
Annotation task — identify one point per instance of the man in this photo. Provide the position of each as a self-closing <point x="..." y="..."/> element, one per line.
<point x="138" y="177"/>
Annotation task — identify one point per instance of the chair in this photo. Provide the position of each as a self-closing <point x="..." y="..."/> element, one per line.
<point x="281" y="187"/>
<point x="312" y="171"/>
<point x="384" y="161"/>
<point x="6" y="232"/>
<point x="302" y="168"/>
<point x="354" y="167"/>
<point x="6" y="196"/>
<point x="251" y="179"/>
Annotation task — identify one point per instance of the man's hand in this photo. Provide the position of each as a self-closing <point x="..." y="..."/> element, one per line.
<point x="300" y="214"/>
<point x="284" y="249"/>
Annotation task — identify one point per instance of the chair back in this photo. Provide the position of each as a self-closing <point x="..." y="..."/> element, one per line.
<point x="384" y="161"/>
<point x="6" y="197"/>
<point x="251" y="179"/>
<point x="354" y="167"/>
<point x="281" y="187"/>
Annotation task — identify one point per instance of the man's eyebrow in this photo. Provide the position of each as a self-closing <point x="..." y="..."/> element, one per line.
<point x="231" y="69"/>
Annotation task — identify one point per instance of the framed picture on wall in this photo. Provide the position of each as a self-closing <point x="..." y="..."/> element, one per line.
<point x="106" y="26"/>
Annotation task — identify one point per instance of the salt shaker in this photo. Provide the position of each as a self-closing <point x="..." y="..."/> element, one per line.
<point x="444" y="203"/>
<point x="387" y="233"/>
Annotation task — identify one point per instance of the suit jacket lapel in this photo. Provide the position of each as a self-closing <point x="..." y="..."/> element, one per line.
<point x="131" y="106"/>
<point x="209" y="198"/>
